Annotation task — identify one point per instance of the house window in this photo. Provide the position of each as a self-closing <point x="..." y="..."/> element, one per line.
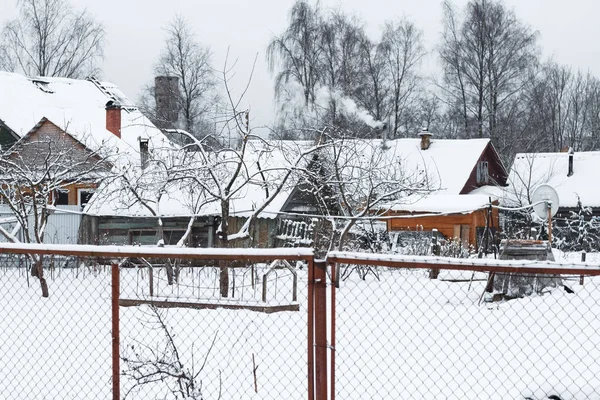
<point x="462" y="233"/>
<point x="149" y="237"/>
<point x="483" y="176"/>
<point x="62" y="197"/>
<point x="84" y="196"/>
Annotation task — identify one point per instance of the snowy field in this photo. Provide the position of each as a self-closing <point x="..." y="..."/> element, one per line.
<point x="402" y="336"/>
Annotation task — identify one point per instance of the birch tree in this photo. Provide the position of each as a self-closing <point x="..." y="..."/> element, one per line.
<point x="402" y="47"/>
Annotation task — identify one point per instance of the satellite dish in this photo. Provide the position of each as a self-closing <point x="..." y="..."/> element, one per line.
<point x="542" y="195"/>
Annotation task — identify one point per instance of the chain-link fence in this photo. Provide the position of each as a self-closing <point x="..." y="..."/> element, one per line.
<point x="57" y="347"/>
<point x="176" y="336"/>
<point x="398" y="334"/>
<point x="156" y="325"/>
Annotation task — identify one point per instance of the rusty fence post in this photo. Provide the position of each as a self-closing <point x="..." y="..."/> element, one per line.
<point x="116" y="368"/>
<point x="583" y="254"/>
<point x="311" y="326"/>
<point x="320" y="293"/>
<point x="334" y="285"/>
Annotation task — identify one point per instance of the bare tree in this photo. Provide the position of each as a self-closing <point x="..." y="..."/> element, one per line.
<point x="485" y="59"/>
<point x="33" y="172"/>
<point x="165" y="364"/>
<point x="355" y="180"/>
<point x="297" y="51"/>
<point x="339" y="61"/>
<point x="562" y="108"/>
<point x="347" y="80"/>
<point x="50" y="38"/>
<point x="162" y="176"/>
<point x="187" y="60"/>
<point x="372" y="90"/>
<point x="402" y="47"/>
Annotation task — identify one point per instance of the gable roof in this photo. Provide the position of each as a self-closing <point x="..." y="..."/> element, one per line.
<point x="532" y="169"/>
<point x="448" y="163"/>
<point x="78" y="108"/>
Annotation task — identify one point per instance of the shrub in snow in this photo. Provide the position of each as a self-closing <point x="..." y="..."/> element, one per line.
<point x="578" y="232"/>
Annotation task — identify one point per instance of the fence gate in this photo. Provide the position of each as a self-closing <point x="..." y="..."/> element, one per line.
<point x="146" y="323"/>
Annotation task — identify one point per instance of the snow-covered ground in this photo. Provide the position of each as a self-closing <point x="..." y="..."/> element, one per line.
<point x="402" y="336"/>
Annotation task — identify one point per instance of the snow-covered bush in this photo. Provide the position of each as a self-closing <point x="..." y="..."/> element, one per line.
<point x="454" y="248"/>
<point x="579" y="232"/>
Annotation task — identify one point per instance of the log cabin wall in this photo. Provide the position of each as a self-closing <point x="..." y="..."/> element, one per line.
<point x="264" y="232"/>
<point x="445" y="224"/>
<point x="120" y="231"/>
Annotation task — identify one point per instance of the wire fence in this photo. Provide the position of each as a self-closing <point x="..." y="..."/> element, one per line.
<point x="397" y="333"/>
<point x="147" y="323"/>
<point x="176" y="336"/>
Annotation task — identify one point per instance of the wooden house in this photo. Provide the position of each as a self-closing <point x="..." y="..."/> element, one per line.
<point x="468" y="174"/>
<point x="76" y="123"/>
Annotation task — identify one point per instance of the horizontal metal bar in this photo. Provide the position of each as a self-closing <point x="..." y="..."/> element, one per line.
<point x="210" y="306"/>
<point x="159" y="252"/>
<point x="465" y="264"/>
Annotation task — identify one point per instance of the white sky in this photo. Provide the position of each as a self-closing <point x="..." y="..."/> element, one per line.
<point x="568" y="31"/>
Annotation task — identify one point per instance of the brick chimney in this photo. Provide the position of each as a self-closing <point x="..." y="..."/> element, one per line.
<point x="425" y="136"/>
<point x="113" y="118"/>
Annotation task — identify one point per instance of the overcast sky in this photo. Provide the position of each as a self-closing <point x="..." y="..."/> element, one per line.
<point x="568" y="29"/>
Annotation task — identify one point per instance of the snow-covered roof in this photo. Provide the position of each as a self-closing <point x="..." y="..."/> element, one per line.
<point x="445" y="166"/>
<point x="448" y="163"/>
<point x="274" y="160"/>
<point x="77" y="107"/>
<point x="532" y="169"/>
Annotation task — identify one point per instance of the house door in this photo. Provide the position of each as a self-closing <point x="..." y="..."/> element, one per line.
<point x="462" y="232"/>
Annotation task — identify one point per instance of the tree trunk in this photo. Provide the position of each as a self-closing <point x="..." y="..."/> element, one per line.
<point x="169" y="269"/>
<point x="223" y="243"/>
<point x="224" y="278"/>
<point x="37" y="270"/>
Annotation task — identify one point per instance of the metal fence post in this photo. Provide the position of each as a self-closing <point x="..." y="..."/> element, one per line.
<point x="320" y="293"/>
<point x="116" y="367"/>
<point x="335" y="284"/>
<point x="311" y="333"/>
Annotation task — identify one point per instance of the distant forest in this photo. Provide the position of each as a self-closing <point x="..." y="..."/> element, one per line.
<point x="494" y="83"/>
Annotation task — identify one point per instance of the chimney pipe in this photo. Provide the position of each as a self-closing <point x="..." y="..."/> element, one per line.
<point x="571" y="153"/>
<point x="113" y="118"/>
<point x="425" y="136"/>
<point x="144" y="152"/>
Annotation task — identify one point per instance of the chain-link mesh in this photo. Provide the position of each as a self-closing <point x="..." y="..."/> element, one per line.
<point x="57" y="347"/>
<point x="186" y="341"/>
<point x="402" y="335"/>
<point x="179" y="338"/>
